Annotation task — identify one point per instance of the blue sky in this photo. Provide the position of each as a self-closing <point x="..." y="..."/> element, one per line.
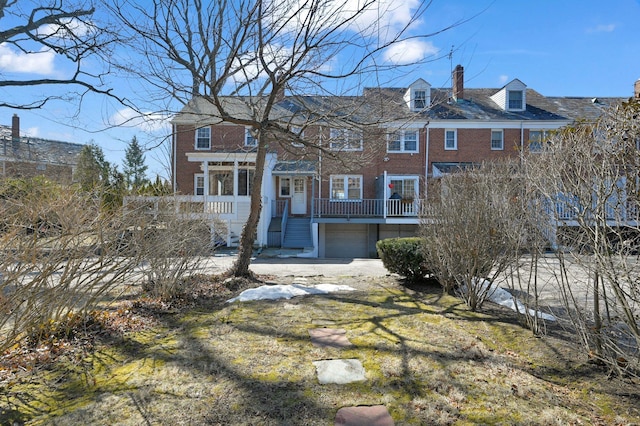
<point x="558" y="47"/>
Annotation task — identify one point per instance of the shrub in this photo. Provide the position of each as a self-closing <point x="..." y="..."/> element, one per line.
<point x="403" y="256"/>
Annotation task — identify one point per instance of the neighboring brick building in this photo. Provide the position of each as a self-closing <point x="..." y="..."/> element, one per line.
<point x="389" y="168"/>
<point x="26" y="157"/>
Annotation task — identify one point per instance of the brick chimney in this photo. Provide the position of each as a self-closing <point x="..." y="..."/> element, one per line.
<point x="458" y="82"/>
<point x="636" y="89"/>
<point x="15" y="128"/>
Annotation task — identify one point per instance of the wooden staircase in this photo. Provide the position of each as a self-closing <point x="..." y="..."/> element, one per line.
<point x="297" y="233"/>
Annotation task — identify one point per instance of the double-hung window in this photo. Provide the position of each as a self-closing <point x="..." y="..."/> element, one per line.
<point x="198" y="184"/>
<point x="403" y="141"/>
<point x="345" y="139"/>
<point x="514" y="99"/>
<point x="497" y="140"/>
<point x="450" y="139"/>
<point x="420" y="99"/>
<point x="285" y="187"/>
<point x="203" y="138"/>
<point x="249" y="139"/>
<point x="346" y="187"/>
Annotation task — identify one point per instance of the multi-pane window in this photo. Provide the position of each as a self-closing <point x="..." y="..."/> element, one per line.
<point x="249" y="139"/>
<point x="346" y="187"/>
<point x="203" y="138"/>
<point x="285" y="187"/>
<point x="537" y="139"/>
<point x="345" y="139"/>
<point x="514" y="99"/>
<point x="405" y="187"/>
<point x="450" y="140"/>
<point x="497" y="140"/>
<point x="420" y="99"/>
<point x="403" y="141"/>
<point x="198" y="185"/>
<point x="245" y="181"/>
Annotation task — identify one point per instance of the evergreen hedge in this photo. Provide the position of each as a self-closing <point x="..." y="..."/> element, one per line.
<point x="403" y="256"/>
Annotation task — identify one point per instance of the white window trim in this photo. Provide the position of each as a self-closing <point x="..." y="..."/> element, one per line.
<point x="403" y="141"/>
<point x="195" y="183"/>
<point x="280" y="187"/>
<point x="501" y="147"/>
<point x="195" y="142"/>
<point x="414" y="178"/>
<point x="248" y="136"/>
<point x="333" y="136"/>
<point x="299" y="133"/>
<point x="345" y="179"/>
<point x="455" y="140"/>
<point x="424" y="99"/>
<point x="509" y="107"/>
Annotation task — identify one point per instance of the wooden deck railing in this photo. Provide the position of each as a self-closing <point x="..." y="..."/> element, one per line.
<point x="368" y="208"/>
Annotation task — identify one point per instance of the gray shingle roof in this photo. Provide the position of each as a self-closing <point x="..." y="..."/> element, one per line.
<point x="387" y="104"/>
<point x="37" y="149"/>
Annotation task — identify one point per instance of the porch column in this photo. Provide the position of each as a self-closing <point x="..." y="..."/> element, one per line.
<point x="235" y="179"/>
<point x="313" y="195"/>
<point x="384" y="194"/>
<point x="205" y="167"/>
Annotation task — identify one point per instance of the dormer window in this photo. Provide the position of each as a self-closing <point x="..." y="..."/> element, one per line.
<point x="515" y="99"/>
<point x="418" y="95"/>
<point x="420" y="100"/>
<point x="512" y="97"/>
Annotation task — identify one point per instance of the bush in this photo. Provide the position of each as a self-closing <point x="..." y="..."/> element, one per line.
<point x="403" y="256"/>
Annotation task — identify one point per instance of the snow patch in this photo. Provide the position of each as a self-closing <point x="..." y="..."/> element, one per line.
<point x="504" y="298"/>
<point x="282" y="291"/>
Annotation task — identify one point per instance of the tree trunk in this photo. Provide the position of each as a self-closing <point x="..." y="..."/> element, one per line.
<point x="241" y="267"/>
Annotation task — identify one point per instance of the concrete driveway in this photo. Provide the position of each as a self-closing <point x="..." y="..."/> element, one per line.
<point x="301" y="267"/>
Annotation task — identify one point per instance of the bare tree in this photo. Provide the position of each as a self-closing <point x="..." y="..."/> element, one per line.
<point x="254" y="51"/>
<point x="60" y="254"/>
<point x="588" y="176"/>
<point x="65" y="30"/>
<point x="469" y="238"/>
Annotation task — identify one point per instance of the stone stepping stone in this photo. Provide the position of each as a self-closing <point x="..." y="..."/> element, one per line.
<point x="329" y="338"/>
<point x="376" y="415"/>
<point x="339" y="371"/>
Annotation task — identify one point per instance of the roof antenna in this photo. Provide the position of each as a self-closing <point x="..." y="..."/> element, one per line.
<point x="451" y="73"/>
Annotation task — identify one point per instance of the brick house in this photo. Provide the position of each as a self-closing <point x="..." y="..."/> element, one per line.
<point x="27" y="157"/>
<point x="382" y="154"/>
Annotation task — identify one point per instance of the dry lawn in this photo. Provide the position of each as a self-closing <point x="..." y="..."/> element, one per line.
<point x="428" y="359"/>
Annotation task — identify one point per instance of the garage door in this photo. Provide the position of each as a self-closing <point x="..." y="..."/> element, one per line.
<point x="346" y="240"/>
<point x="398" y="231"/>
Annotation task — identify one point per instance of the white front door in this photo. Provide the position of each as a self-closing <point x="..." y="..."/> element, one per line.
<point x="299" y="196"/>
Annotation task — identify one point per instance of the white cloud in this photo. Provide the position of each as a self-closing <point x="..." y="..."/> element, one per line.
<point x="69" y="26"/>
<point x="32" y="132"/>
<point x="602" y="28"/>
<point x="250" y="67"/>
<point x="503" y="79"/>
<point x="34" y="63"/>
<point x="409" y="51"/>
<point x="147" y="122"/>
<point x="381" y="18"/>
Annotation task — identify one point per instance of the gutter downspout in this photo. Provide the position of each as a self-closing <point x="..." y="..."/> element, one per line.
<point x="426" y="158"/>
<point x="174" y="142"/>
<point x="522" y="136"/>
